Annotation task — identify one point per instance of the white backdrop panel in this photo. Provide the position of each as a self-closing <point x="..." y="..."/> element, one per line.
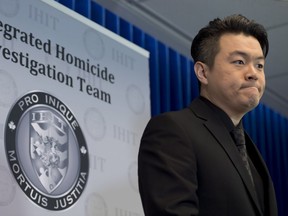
<point x="61" y="77"/>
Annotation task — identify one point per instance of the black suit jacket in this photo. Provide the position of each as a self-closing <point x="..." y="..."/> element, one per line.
<point x="188" y="164"/>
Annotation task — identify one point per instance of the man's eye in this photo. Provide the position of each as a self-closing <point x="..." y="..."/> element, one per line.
<point x="238" y="62"/>
<point x="260" y="66"/>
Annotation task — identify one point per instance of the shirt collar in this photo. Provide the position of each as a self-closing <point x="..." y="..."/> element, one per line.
<point x="222" y="115"/>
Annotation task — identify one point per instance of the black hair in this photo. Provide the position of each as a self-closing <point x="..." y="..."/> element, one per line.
<point x="205" y="45"/>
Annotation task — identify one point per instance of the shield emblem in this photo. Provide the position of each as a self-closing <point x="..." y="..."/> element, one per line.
<point x="49" y="147"/>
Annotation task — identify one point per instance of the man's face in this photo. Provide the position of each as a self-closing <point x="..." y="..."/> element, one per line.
<point x="236" y="81"/>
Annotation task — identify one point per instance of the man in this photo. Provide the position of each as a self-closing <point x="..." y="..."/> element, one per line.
<point x="190" y="163"/>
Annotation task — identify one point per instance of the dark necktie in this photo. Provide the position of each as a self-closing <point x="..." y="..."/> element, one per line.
<point x="240" y="143"/>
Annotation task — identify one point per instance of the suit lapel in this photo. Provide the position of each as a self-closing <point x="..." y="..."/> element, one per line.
<point x="215" y="126"/>
<point x="225" y="140"/>
<point x="262" y="169"/>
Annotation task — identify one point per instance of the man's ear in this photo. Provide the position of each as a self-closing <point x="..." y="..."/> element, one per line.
<point x="201" y="72"/>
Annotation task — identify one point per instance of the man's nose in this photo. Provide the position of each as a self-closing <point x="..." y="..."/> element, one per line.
<point x="252" y="73"/>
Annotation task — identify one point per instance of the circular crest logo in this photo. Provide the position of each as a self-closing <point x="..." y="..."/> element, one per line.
<point x="46" y="151"/>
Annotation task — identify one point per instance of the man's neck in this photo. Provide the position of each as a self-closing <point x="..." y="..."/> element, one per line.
<point x="235" y="117"/>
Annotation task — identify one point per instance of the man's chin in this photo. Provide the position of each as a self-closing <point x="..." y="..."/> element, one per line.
<point x="253" y="101"/>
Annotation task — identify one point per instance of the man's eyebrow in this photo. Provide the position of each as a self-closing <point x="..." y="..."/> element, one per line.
<point x="245" y="55"/>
